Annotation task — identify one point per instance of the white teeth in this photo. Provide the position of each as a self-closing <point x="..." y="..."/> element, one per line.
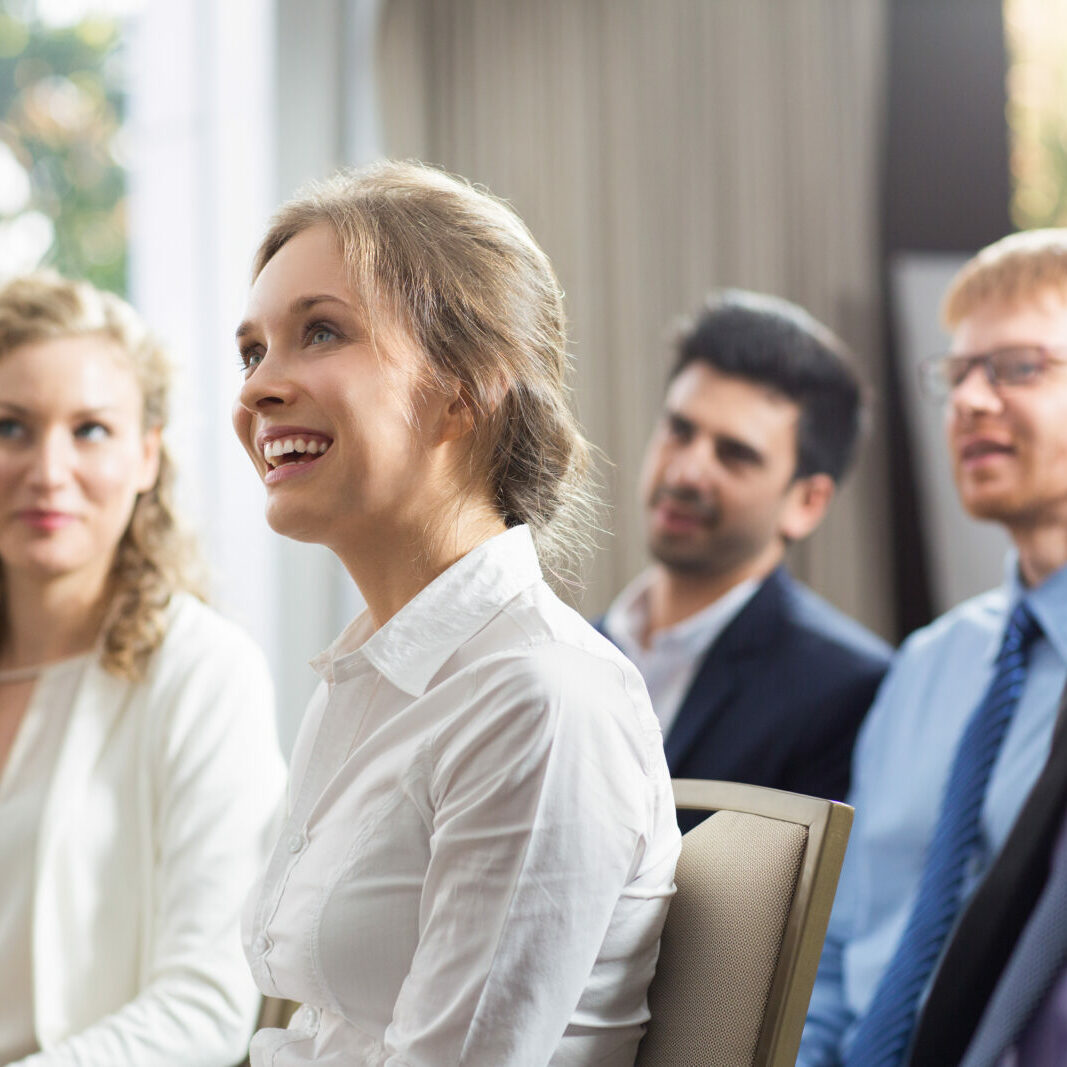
<point x="283" y="446"/>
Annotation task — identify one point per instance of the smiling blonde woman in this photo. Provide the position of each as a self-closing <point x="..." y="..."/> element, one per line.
<point x="481" y="841"/>
<point x="139" y="774"/>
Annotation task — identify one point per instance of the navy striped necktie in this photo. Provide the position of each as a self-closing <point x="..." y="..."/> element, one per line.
<point x="884" y="1033"/>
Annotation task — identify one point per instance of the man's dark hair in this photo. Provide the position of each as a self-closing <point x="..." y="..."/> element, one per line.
<point x="771" y="342"/>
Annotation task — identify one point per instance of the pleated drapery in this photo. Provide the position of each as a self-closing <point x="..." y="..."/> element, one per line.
<point x="657" y="149"/>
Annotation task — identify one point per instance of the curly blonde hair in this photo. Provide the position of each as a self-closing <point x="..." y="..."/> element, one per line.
<point x="458" y="270"/>
<point x="154" y="559"/>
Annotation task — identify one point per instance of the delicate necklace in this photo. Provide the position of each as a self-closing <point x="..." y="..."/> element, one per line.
<point x="20" y="674"/>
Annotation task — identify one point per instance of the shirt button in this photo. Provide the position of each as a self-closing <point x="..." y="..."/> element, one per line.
<point x="260" y="946"/>
<point x="296" y="842"/>
<point x="311" y="1015"/>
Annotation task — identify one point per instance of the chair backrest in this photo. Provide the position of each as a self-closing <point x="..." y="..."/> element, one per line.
<point x="745" y="929"/>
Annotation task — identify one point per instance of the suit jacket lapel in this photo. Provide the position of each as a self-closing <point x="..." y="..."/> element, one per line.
<point x="1035" y="966"/>
<point x="991" y="924"/>
<point x="739" y="649"/>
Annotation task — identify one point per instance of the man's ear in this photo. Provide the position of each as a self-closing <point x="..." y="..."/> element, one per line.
<point x="805" y="505"/>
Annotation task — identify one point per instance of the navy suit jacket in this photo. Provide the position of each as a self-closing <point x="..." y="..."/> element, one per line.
<point x="779" y="696"/>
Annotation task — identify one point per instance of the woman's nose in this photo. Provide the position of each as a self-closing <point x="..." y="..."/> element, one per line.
<point x="51" y="460"/>
<point x="266" y="384"/>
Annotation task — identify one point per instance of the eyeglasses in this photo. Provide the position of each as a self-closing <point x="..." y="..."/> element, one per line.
<point x="1018" y="365"/>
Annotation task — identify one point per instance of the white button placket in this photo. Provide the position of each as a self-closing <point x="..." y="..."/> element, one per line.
<point x="340" y="723"/>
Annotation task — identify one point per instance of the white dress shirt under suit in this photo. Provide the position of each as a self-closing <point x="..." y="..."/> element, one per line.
<point x="672" y="658"/>
<point x="160" y="811"/>
<point x="482" y="839"/>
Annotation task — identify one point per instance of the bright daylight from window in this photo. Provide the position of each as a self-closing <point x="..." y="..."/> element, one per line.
<point x="62" y="182"/>
<point x="1036" y="37"/>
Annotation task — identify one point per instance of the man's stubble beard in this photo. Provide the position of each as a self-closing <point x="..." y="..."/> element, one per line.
<point x="685" y="559"/>
<point x="715" y="554"/>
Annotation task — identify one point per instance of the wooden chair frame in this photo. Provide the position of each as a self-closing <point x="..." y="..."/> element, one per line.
<point x="828" y="824"/>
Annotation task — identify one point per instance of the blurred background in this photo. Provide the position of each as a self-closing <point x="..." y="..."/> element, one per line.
<point x="845" y="154"/>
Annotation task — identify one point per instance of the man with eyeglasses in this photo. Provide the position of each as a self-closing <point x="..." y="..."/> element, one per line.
<point x="961" y="726"/>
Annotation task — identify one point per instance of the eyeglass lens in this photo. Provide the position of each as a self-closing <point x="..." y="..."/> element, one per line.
<point x="1003" y="366"/>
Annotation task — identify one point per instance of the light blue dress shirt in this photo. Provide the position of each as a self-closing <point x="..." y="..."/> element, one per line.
<point x="900" y="768"/>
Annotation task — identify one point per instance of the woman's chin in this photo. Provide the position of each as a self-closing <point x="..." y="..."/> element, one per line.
<point x="295" y="523"/>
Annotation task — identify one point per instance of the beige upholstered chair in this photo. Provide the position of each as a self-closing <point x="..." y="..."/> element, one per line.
<point x="744" y="932"/>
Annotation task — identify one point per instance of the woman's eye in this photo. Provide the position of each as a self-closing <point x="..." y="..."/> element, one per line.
<point x="92" y="431"/>
<point x="10" y="429"/>
<point x="321" y="334"/>
<point x="251" y="360"/>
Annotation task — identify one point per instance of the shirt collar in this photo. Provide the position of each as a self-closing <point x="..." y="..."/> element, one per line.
<point x="417" y="641"/>
<point x="627" y="618"/>
<point x="626" y="615"/>
<point x="1047" y="601"/>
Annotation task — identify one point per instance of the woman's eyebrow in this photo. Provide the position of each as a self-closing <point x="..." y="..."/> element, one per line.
<point x="297" y="307"/>
<point x="306" y="302"/>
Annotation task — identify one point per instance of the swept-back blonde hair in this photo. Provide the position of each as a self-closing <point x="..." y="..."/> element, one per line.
<point x="458" y="270"/>
<point x="1015" y="269"/>
<point x="154" y="559"/>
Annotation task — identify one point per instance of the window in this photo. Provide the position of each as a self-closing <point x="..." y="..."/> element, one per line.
<point x="62" y="103"/>
<point x="1036" y="38"/>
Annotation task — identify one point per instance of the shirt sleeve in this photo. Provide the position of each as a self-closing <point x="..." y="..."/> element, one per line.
<point x="217" y="781"/>
<point x="830" y="1014"/>
<point x="542" y="804"/>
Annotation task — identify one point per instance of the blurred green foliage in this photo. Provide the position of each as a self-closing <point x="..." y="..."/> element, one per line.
<point x="61" y="112"/>
<point x="1036" y="37"/>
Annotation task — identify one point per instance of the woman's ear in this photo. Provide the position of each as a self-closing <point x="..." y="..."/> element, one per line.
<point x="151" y="445"/>
<point x="463" y="412"/>
<point x="457" y="417"/>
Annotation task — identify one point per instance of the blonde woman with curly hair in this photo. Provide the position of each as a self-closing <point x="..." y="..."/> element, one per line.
<point x="481" y="841"/>
<point x="139" y="772"/>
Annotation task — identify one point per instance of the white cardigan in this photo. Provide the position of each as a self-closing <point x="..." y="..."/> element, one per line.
<point x="161" y="811"/>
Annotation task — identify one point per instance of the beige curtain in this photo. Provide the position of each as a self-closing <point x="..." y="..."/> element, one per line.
<point x="658" y="148"/>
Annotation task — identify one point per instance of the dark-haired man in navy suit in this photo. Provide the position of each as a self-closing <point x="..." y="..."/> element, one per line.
<point x="754" y="678"/>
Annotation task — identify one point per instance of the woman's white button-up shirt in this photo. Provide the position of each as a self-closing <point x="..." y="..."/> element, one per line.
<point x="482" y="838"/>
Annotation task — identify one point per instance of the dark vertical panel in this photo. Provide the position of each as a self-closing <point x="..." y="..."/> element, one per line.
<point x="946" y="188"/>
<point x="947" y="179"/>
